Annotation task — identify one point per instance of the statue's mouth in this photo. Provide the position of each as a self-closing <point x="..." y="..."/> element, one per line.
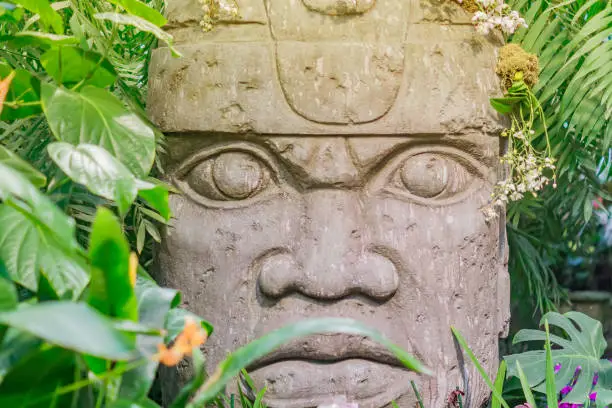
<point x="315" y="370"/>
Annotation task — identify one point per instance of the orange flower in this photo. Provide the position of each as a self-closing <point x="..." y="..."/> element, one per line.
<point x="5" y="84"/>
<point x="191" y="337"/>
<point x="133" y="268"/>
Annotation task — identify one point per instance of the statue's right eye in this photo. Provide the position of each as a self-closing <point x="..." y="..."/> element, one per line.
<point x="228" y="175"/>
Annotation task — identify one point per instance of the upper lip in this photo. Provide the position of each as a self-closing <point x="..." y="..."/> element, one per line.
<point x="329" y="348"/>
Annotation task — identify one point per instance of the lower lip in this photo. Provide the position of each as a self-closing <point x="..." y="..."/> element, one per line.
<point x="300" y="383"/>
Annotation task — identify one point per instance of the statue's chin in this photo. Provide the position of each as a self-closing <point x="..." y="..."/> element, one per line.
<point x="309" y="383"/>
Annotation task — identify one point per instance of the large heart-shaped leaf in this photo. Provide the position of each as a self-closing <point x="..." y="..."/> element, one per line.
<point x="73" y="326"/>
<point x="98" y="170"/>
<point x="11" y="159"/>
<point x="95" y="116"/>
<point x="36" y="236"/>
<point x="584" y="347"/>
<point x="71" y="65"/>
<point x="31" y="382"/>
<point x="106" y="176"/>
<point x="47" y="14"/>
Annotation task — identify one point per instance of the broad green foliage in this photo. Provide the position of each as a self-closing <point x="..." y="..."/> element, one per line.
<point x="572" y="41"/>
<point x="74" y="326"/>
<point x="584" y="347"/>
<point x="71" y="65"/>
<point x="98" y="117"/>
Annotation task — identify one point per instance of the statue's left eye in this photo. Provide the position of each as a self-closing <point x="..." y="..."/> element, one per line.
<point x="429" y="177"/>
<point x="231" y="176"/>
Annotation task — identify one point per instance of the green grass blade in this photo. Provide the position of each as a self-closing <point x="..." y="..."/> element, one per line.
<point x="248" y="354"/>
<point x="551" y="389"/>
<point x="479" y="367"/>
<point x="525" y="386"/>
<point x="418" y="394"/>
<point x="499" y="384"/>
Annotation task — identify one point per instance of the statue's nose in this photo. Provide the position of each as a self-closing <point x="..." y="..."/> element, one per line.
<point x="333" y="257"/>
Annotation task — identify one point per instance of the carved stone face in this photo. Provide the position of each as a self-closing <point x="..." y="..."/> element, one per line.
<point x="335" y="179"/>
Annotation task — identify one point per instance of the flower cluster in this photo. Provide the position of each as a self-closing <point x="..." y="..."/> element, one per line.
<point x="496" y="14"/>
<point x="528" y="176"/>
<point x="530" y="171"/>
<point x="216" y="10"/>
<point x="191" y="337"/>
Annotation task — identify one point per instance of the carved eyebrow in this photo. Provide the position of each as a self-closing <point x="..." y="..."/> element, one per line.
<point x="481" y="152"/>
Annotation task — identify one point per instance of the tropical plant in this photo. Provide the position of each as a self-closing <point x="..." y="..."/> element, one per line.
<point x="571" y="39"/>
<point x="568" y="372"/>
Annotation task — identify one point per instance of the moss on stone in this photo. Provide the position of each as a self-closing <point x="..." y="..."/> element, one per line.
<point x="513" y="59"/>
<point x="470" y="6"/>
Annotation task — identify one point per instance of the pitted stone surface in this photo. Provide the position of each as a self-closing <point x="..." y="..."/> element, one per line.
<point x="333" y="157"/>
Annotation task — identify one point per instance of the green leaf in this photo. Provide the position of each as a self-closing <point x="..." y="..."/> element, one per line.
<point x="8" y="300"/>
<point x="11" y="159"/>
<point x="154" y="303"/>
<point x="70" y="65"/>
<point x="140" y="9"/>
<point x="142" y="25"/>
<point x="111" y="291"/>
<point x="156" y="195"/>
<point x="37" y="39"/>
<point x="246" y="355"/>
<point x="551" y="390"/>
<point x="24" y="89"/>
<point x="98" y="170"/>
<point x="36" y="377"/>
<point x="584" y="348"/>
<point x="500" y="106"/>
<point x="131" y="404"/>
<point x="96" y="116"/>
<point x="73" y="326"/>
<point x="16" y="346"/>
<point x="525" y="386"/>
<point x="37" y="235"/>
<point x="481" y="371"/>
<point x="47" y="14"/>
<point x="175" y="322"/>
<point x="8" y="295"/>
<point x="499" y="384"/>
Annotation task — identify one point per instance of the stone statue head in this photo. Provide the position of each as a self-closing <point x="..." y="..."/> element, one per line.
<point x="333" y="158"/>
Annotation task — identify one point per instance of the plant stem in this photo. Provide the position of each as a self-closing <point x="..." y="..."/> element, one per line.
<point x="418" y="395"/>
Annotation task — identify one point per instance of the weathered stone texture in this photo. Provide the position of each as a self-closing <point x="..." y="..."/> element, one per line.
<point x="333" y="158"/>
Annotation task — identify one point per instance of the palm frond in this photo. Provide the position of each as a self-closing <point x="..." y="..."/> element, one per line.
<point x="572" y="41"/>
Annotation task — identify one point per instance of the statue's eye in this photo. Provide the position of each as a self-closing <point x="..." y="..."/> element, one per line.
<point x="226" y="176"/>
<point x="431" y="178"/>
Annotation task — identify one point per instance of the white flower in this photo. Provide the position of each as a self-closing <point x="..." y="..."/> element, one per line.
<point x="485" y="28"/>
<point x="480" y="16"/>
<point x="508" y="26"/>
<point x="516" y="196"/>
